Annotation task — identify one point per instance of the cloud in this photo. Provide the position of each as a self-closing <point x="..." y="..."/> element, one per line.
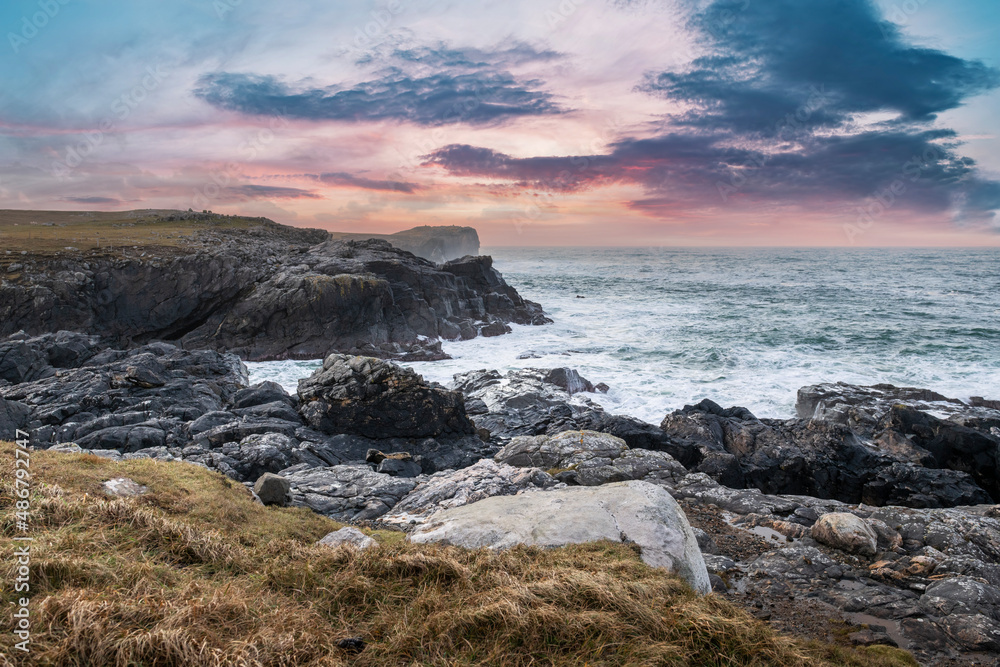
<point x="427" y="86"/>
<point x="349" y="180"/>
<point x="778" y="111"/>
<point x="249" y="192"/>
<point x="94" y="200"/>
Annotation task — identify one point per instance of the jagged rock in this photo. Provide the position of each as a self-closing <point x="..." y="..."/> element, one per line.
<point x="347" y="492"/>
<point x="634" y="512"/>
<point x="378" y="399"/>
<point x="445" y="490"/>
<point x="272" y="489"/>
<point x="846" y="532"/>
<point x="815" y="458"/>
<point x="348" y="535"/>
<point x="262" y="394"/>
<point x="593" y="458"/>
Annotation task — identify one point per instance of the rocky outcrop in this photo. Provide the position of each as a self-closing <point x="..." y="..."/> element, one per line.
<point x="438" y="244"/>
<point x="263" y="291"/>
<point x="588" y="458"/>
<point x="348" y="492"/>
<point x="377" y="399"/>
<point x="634" y="512"/>
<point x="816" y="458"/>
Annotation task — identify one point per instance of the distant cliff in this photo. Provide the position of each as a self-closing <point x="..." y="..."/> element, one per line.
<point x="249" y="286"/>
<point x="438" y="244"/>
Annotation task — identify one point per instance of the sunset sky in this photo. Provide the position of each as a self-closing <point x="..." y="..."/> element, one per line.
<point x="539" y="122"/>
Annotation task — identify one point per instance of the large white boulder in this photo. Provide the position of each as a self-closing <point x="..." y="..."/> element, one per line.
<point x="633" y="511"/>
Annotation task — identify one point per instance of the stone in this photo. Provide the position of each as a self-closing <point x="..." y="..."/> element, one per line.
<point x="378" y="399"/>
<point x="349" y="493"/>
<point x="445" y="490"/>
<point x="595" y="458"/>
<point x="632" y="512"/>
<point x="123" y="487"/>
<point x="350" y="536"/>
<point x="13" y="416"/>
<point x="272" y="489"/>
<point x="845" y="532"/>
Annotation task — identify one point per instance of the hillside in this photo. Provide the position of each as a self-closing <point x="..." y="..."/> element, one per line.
<point x="194" y="573"/>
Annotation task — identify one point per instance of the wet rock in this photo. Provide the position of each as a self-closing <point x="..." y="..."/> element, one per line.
<point x="634" y="512"/>
<point x="846" y="532"/>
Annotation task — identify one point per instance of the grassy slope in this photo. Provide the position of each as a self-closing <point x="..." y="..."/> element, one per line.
<point x="195" y="574"/>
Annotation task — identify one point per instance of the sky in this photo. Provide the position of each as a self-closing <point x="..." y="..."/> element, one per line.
<point x="538" y="122"/>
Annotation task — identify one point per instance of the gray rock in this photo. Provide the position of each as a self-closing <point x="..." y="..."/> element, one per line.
<point x="595" y="458"/>
<point x="272" y="489"/>
<point x="845" y="532"/>
<point x="350" y="536"/>
<point x="634" y="512"/>
<point x="378" y="399"/>
<point x="123" y="487"/>
<point x="348" y="492"/>
<point x="446" y="490"/>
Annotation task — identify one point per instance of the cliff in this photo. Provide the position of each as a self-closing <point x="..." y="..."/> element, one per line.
<point x="246" y="285"/>
<point x="438" y="244"/>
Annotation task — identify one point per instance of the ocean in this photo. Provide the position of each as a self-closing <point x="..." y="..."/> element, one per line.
<point x="665" y="327"/>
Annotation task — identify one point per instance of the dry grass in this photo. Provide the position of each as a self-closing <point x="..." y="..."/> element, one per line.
<point x="195" y="574"/>
<point x="50" y="232"/>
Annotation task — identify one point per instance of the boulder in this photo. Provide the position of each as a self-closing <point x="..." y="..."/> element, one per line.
<point x="13" y="416"/>
<point x="378" y="399"/>
<point x="348" y="493"/>
<point x="272" y="489"/>
<point x="593" y="458"/>
<point x="846" y="532"/>
<point x="632" y="512"/>
<point x="445" y="490"/>
<point x="350" y="536"/>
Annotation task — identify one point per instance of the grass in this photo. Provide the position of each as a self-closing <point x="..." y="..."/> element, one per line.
<point x="44" y="233"/>
<point x="194" y="573"/>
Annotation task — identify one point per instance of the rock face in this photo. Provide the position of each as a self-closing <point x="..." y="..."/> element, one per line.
<point x="265" y="292"/>
<point x="817" y="458"/>
<point x="347" y="492"/>
<point x="438" y="244"/>
<point x="846" y="532"/>
<point x="634" y="512"/>
<point x="588" y="458"/>
<point x="376" y="399"/>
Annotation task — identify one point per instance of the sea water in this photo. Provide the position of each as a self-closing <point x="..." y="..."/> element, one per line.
<point x="665" y="327"/>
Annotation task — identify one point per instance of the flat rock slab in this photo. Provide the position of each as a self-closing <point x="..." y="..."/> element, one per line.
<point x="124" y="487"/>
<point x="347" y="535"/>
<point x="636" y="512"/>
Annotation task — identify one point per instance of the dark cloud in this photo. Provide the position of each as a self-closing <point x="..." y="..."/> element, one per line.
<point x="94" y="200"/>
<point x="350" y="180"/>
<point x="425" y="86"/>
<point x="248" y="192"/>
<point x="775" y="112"/>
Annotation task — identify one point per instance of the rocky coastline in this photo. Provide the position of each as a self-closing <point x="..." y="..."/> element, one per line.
<point x="863" y="510"/>
<point x="871" y="517"/>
